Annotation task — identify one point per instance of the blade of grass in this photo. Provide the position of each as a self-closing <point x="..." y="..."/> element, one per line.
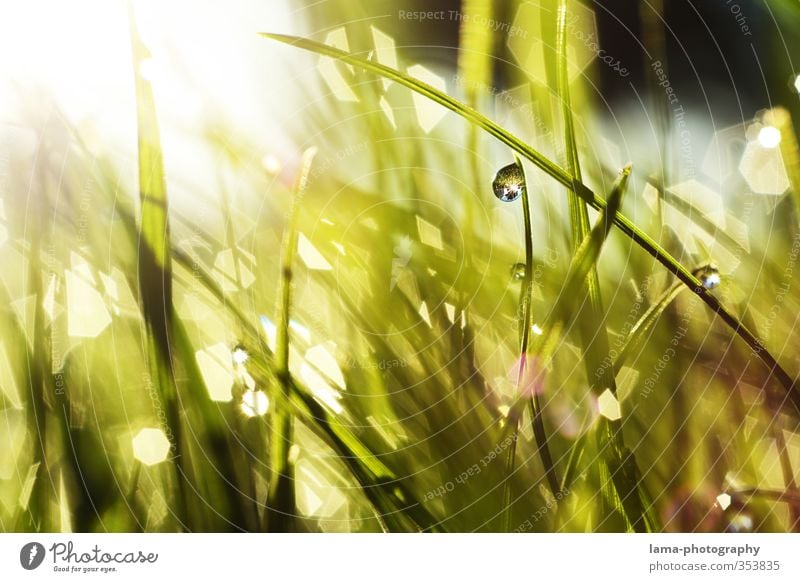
<point x="281" y="504"/>
<point x="788" y="474"/>
<point x="395" y="504"/>
<point x="618" y="468"/>
<point x="377" y="480"/>
<point x="580" y="264"/>
<point x="524" y="322"/>
<point x="592" y="327"/>
<point x="563" y="177"/>
<point x="780" y="118"/>
<point x="475" y="72"/>
<point x="771" y="494"/>
<point x="636" y="334"/>
<point x="39" y="507"/>
<point x="155" y="267"/>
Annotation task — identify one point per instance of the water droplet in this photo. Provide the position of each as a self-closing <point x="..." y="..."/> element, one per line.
<point x="740" y="523"/>
<point x="509" y="183"/>
<point x="518" y="271"/>
<point x="240" y="355"/>
<point x="710" y="278"/>
<point x="769" y="137"/>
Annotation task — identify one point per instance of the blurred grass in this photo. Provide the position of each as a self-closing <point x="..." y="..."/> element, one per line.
<point x="393" y="367"/>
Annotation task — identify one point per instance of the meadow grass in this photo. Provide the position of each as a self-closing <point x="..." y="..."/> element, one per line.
<point x="375" y="385"/>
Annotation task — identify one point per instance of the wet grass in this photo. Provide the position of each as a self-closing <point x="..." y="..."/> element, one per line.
<point x="389" y="366"/>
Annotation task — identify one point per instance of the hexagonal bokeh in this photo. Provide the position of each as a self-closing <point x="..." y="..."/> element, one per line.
<point x="150" y="446"/>
<point x="216" y="366"/>
<point x="608" y="406"/>
<point x="385" y="51"/>
<point x="230" y="276"/>
<point x="87" y="312"/>
<point x="530" y="51"/>
<point x="332" y="71"/>
<point x="724" y="153"/>
<point x="704" y="199"/>
<point x="429" y="113"/>
<point x="763" y="169"/>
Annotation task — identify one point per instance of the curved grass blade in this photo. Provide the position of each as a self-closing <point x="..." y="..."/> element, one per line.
<point x="524" y="317"/>
<point x="583" y="260"/>
<point x="563" y="177"/>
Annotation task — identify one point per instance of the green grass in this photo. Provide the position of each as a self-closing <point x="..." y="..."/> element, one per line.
<point x="413" y="383"/>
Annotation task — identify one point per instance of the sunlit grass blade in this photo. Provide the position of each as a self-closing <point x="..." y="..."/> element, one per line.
<point x="592" y="329"/>
<point x="155" y="267"/>
<point x="44" y="487"/>
<point x="422" y="88"/>
<point x="524" y="322"/>
<point x="588" y="251"/>
<point x="563" y="177"/>
<point x="584" y="259"/>
<point x="788" y="474"/>
<point x="281" y="495"/>
<point x="781" y="119"/>
<point x="637" y="334"/>
<point x="395" y="506"/>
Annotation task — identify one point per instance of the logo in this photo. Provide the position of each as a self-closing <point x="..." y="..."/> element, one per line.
<point x="31" y="555"/>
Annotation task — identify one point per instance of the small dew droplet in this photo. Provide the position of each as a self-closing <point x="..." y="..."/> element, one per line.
<point x="740" y="523"/>
<point x="518" y="271"/>
<point x="240" y="355"/>
<point x="509" y="183"/>
<point x="710" y="278"/>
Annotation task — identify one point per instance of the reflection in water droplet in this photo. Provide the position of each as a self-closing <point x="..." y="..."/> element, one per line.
<point x="710" y="278"/>
<point x="509" y="183"/>
<point x="518" y="271"/>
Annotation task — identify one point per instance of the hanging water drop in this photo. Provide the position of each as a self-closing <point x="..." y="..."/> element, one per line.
<point x="518" y="271"/>
<point x="509" y="183"/>
<point x="710" y="278"/>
